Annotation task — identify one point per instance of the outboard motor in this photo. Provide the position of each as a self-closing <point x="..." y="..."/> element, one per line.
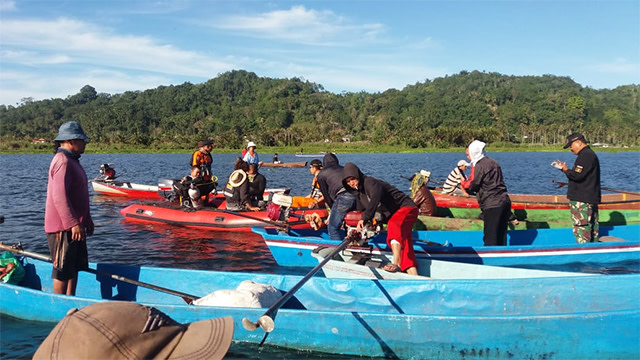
<point x="167" y="190"/>
<point x="359" y="238"/>
<point x="279" y="206"/>
<point x="108" y="171"/>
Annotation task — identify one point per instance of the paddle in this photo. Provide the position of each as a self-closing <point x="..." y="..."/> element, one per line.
<point x="561" y="184"/>
<point x="266" y="321"/>
<point x="186" y="297"/>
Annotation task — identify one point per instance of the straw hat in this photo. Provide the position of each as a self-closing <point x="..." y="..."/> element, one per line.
<point x="237" y="178"/>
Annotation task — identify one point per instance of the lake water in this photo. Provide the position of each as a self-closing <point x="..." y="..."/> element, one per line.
<point x="24" y="180"/>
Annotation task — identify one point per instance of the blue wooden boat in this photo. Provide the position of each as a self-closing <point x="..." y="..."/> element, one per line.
<point x="526" y="248"/>
<point x="594" y="316"/>
<point x="355" y="264"/>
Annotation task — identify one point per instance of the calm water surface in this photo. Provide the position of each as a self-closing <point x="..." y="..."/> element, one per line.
<point x="24" y="180"/>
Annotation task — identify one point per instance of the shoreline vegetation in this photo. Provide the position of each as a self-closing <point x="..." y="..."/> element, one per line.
<point x="509" y="113"/>
<point x="309" y="149"/>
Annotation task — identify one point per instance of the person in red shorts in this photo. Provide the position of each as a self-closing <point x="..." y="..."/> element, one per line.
<point x="401" y="212"/>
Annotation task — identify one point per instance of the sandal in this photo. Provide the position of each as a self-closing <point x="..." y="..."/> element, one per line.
<point x="391" y="268"/>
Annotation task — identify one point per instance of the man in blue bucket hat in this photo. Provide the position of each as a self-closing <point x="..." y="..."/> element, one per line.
<point x="67" y="219"/>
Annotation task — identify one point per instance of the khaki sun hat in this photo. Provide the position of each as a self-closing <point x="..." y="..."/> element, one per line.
<point x="127" y="330"/>
<point x="237" y="178"/>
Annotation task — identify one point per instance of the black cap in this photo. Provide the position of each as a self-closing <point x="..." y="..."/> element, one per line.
<point x="317" y="163"/>
<point x="573" y="137"/>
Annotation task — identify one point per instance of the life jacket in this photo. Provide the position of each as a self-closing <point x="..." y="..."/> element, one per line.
<point x="204" y="161"/>
<point x="315" y="188"/>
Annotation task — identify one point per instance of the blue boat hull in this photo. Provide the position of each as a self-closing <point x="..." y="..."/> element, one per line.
<point x="541" y="318"/>
<point x="526" y="248"/>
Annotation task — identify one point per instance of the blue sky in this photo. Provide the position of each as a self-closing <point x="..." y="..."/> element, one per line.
<point x="52" y="48"/>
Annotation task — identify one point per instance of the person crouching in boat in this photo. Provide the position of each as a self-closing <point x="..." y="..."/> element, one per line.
<point x="236" y="191"/>
<point x="375" y="194"/>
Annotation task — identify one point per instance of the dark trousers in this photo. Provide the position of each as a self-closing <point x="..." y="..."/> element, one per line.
<point x="495" y="225"/>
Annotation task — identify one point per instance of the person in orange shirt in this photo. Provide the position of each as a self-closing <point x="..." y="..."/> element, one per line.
<point x="202" y="158"/>
<point x="315" y="197"/>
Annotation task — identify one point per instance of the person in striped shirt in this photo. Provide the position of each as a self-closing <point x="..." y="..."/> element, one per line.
<point x="455" y="178"/>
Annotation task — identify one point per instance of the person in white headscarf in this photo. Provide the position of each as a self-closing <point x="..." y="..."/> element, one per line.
<point x="487" y="182"/>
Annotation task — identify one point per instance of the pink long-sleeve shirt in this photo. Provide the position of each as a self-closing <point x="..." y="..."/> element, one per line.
<point x="67" y="195"/>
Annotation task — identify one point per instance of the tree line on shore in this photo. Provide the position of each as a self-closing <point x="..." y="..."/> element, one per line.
<point x="238" y="105"/>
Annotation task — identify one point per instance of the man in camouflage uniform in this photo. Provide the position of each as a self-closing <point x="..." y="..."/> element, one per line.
<point x="584" y="188"/>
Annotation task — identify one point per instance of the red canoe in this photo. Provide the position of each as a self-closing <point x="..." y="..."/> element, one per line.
<point x="530" y="202"/>
<point x="212" y="218"/>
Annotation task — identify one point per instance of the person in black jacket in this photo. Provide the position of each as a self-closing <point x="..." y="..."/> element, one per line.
<point x="487" y="182"/>
<point x="401" y="212"/>
<point x="584" y="188"/>
<point x="257" y="185"/>
<point x="336" y="196"/>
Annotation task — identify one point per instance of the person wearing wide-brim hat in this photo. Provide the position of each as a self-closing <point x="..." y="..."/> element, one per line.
<point x="584" y="191"/>
<point x="67" y="217"/>
<point x="251" y="156"/>
<point x="236" y="191"/>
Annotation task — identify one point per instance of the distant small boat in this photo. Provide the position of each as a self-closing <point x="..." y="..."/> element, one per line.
<point x="319" y="155"/>
<point x="286" y="165"/>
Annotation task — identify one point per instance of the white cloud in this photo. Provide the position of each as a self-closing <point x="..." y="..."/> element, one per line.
<point x="618" y="66"/>
<point x="7" y="5"/>
<point x="61" y="85"/>
<point x="79" y="42"/>
<point x="301" y="25"/>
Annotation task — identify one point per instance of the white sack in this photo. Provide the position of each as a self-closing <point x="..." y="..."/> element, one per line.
<point x="247" y="294"/>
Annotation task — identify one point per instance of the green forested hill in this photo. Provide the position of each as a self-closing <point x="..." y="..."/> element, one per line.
<point x="444" y="112"/>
